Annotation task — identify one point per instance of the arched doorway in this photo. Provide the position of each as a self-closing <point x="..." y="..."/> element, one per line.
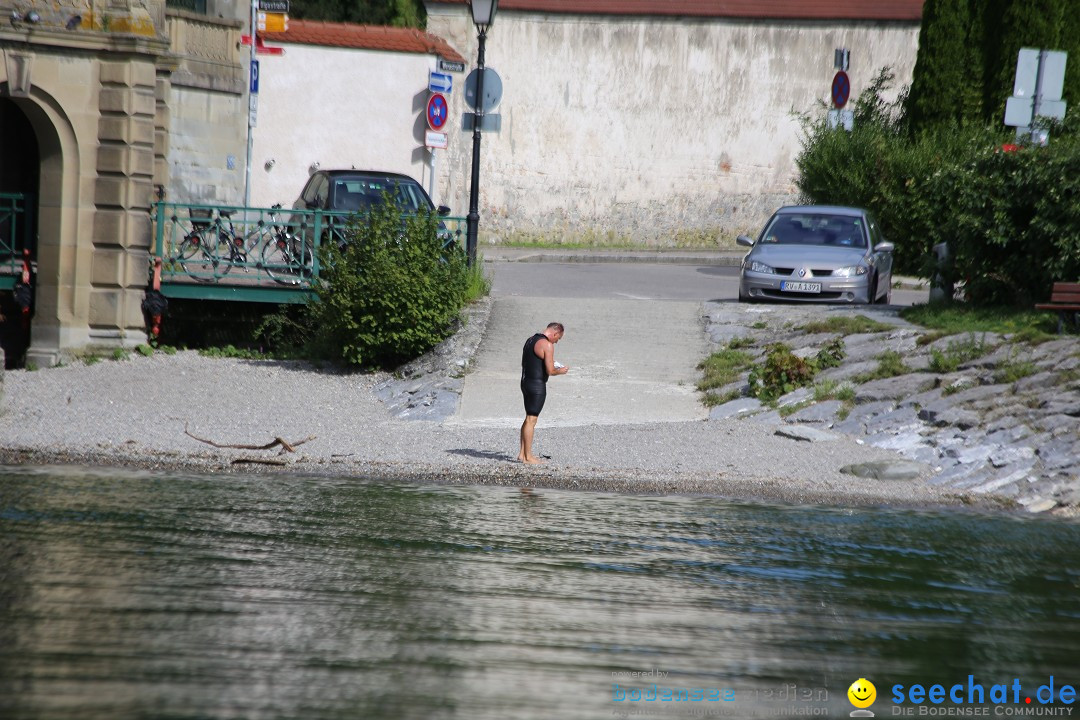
<point x="20" y="170"/>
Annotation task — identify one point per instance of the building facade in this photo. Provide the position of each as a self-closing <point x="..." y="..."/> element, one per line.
<point x="658" y="122"/>
<point x="103" y="109"/>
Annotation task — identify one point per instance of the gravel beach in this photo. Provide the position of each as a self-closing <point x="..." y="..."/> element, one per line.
<point x="156" y="412"/>
<point x="143" y="412"/>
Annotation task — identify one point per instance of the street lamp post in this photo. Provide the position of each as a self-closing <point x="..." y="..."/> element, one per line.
<point x="483" y="13"/>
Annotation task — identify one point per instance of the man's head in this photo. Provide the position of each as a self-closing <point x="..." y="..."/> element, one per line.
<point x="554" y="332"/>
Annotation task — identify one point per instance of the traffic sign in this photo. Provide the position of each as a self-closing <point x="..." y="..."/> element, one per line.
<point x="435" y="139"/>
<point x="260" y="48"/>
<point x="451" y="65"/>
<point x="841" y="89"/>
<point x="272" y="22"/>
<point x="493" y="90"/>
<point x="488" y="123"/>
<point x="274" y="6"/>
<point x="440" y="82"/>
<point x="254" y="77"/>
<point x="437" y="111"/>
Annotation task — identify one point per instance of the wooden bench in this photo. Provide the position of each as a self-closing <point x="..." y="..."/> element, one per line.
<point x="1065" y="301"/>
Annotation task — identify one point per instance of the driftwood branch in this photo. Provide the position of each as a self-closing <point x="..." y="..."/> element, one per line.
<point x="285" y="444"/>
<point x="258" y="461"/>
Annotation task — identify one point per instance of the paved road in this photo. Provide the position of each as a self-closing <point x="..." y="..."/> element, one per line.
<point x="653" y="281"/>
<point x="633" y="340"/>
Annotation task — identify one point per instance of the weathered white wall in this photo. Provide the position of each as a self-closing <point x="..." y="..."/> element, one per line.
<point x="341" y="108"/>
<point x="657" y="130"/>
<point x="207" y="102"/>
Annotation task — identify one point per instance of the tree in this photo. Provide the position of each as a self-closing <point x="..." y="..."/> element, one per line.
<point x="946" y="82"/>
<point x="398" y="13"/>
<point x="966" y="63"/>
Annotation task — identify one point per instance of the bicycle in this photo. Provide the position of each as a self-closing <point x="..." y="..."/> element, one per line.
<point x="203" y="248"/>
<point x="287" y="258"/>
<point x="211" y="249"/>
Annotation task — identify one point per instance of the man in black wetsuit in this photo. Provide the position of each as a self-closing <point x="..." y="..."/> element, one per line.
<point x="537" y="363"/>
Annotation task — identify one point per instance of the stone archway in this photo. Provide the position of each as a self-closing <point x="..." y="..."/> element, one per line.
<point x="19" y="179"/>
<point x="59" y="318"/>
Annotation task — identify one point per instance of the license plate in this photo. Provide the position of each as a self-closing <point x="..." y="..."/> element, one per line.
<point x="803" y="287"/>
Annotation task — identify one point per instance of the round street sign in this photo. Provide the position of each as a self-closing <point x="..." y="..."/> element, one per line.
<point x="493" y="90"/>
<point x="841" y="89"/>
<point x="438" y="112"/>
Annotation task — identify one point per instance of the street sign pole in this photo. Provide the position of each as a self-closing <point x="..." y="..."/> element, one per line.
<point x="473" y="218"/>
<point x="252" y="87"/>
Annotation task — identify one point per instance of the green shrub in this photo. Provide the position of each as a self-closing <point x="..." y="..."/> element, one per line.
<point x="390" y="295"/>
<point x="957" y="353"/>
<point x="1010" y="218"/>
<point x="846" y="325"/>
<point x="782" y="372"/>
<point x="831" y="355"/>
<point x="1013" y="369"/>
<point x="890" y="364"/>
<point x="723" y="367"/>
<point x="231" y="351"/>
<point x="477" y="284"/>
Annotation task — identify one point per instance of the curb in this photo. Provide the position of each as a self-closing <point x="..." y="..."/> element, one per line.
<point x="717" y="259"/>
<point x="650" y="258"/>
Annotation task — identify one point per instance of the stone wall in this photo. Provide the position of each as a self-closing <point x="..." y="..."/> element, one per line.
<point x="206" y="98"/>
<point x="338" y="108"/>
<point x="656" y="130"/>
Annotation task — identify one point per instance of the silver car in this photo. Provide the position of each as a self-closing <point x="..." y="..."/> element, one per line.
<point x="818" y="253"/>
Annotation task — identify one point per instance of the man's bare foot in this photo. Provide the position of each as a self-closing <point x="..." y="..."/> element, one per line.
<point x="533" y="460"/>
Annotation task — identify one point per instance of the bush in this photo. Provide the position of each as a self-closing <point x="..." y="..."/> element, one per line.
<point x="783" y="371"/>
<point x="390" y="294"/>
<point x="1011" y="219"/>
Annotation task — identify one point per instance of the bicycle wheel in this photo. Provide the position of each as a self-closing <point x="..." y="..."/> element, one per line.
<point x="287" y="259"/>
<point x="199" y="254"/>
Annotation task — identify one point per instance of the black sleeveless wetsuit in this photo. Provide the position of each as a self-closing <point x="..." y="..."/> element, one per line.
<point x="533" y="377"/>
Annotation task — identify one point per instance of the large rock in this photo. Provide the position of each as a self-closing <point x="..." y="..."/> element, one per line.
<point x="735" y="408"/>
<point x="807" y="434"/>
<point x="887" y="470"/>
<point x="893" y="388"/>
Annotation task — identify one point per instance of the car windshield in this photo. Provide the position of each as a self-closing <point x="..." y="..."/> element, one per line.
<point x="361" y="193"/>
<point x="815" y="229"/>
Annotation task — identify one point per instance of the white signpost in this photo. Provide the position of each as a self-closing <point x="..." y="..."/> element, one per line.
<point x="1040" y="79"/>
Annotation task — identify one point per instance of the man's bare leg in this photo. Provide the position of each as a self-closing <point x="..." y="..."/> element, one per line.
<point x="525" y="454"/>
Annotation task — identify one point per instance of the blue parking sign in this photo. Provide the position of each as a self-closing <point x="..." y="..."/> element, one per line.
<point x="254" y="77"/>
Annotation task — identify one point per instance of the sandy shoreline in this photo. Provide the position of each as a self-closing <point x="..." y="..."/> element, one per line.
<point x="848" y="492"/>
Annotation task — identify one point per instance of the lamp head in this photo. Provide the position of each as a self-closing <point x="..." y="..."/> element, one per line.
<point x="483" y="13"/>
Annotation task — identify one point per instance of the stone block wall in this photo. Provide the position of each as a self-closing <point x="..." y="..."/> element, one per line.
<point x="654" y="130"/>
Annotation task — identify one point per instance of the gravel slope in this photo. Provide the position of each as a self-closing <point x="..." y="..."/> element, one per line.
<point x="134" y="413"/>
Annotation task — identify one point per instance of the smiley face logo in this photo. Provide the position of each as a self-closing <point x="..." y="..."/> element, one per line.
<point x="862" y="693"/>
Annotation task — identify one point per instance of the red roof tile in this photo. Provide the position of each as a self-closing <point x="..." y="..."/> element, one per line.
<point x="364" y="37"/>
<point x="770" y="9"/>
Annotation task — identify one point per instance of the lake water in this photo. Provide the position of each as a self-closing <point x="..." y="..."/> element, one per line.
<point x="146" y="595"/>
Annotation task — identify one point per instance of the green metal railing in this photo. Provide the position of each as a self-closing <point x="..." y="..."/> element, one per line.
<point x="14" y="236"/>
<point x="253" y="254"/>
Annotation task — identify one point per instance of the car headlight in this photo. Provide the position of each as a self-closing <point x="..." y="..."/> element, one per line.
<point x="851" y="271"/>
<point x="755" y="266"/>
